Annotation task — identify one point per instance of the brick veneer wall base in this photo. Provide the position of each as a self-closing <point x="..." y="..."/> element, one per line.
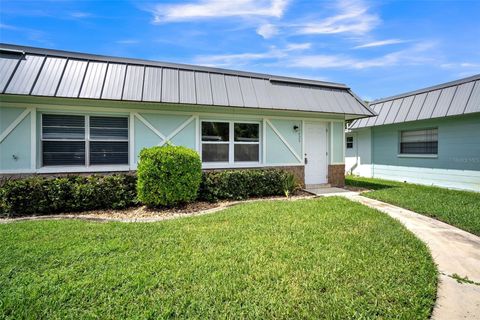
<point x="336" y="175"/>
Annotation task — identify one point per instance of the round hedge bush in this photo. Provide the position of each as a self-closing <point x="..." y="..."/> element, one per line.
<point x="168" y="176"/>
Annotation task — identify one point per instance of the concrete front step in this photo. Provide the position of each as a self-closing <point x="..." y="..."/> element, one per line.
<point x="317" y="186"/>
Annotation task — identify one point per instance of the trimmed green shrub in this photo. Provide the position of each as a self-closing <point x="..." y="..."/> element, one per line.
<point x="242" y="184"/>
<point x="41" y="195"/>
<point x="168" y="176"/>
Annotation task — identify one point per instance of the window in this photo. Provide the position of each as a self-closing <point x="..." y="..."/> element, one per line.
<point x="108" y="140"/>
<point x="247" y="142"/>
<point x="68" y="140"/>
<point x="349" y="142"/>
<point x="63" y="140"/>
<point x="230" y="142"/>
<point x="215" y="141"/>
<point x="419" y="142"/>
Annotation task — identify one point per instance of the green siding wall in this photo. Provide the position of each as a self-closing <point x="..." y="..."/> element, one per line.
<point x="17" y="143"/>
<point x="165" y="123"/>
<point x="144" y="138"/>
<point x="458" y="143"/>
<point x="186" y="137"/>
<point x="337" y="143"/>
<point x="277" y="151"/>
<point x="273" y="150"/>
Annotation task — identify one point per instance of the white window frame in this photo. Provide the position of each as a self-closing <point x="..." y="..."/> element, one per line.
<point x="86" y="140"/>
<point x="347" y="142"/>
<point x="231" y="145"/>
<point x="415" y="155"/>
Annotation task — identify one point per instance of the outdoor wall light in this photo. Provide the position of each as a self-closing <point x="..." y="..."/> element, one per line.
<point x="295" y="128"/>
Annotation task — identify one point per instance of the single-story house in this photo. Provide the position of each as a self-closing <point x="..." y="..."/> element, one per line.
<point x="63" y="112"/>
<point x="429" y="136"/>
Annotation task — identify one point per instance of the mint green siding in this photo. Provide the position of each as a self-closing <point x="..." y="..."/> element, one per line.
<point x="277" y="152"/>
<point x="458" y="143"/>
<point x="143" y="138"/>
<point x="186" y="137"/>
<point x="457" y="164"/>
<point x="15" y="148"/>
<point x="337" y="143"/>
<point x="165" y="124"/>
<point x="281" y="132"/>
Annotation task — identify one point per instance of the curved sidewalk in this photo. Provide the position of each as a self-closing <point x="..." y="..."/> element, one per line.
<point x="455" y="251"/>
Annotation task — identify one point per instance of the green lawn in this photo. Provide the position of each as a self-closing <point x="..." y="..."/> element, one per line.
<point x="322" y="258"/>
<point x="458" y="208"/>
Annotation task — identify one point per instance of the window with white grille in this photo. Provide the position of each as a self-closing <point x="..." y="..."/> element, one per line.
<point x="419" y="142"/>
<point x="77" y="140"/>
<point x="230" y="142"/>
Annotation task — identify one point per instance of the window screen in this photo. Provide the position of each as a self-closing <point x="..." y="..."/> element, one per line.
<point x="215" y="141"/>
<point x="65" y="140"/>
<point x="108" y="140"/>
<point x="419" y="141"/>
<point x="247" y="142"/>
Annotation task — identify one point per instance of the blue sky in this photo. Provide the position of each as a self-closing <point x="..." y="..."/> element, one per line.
<point x="378" y="48"/>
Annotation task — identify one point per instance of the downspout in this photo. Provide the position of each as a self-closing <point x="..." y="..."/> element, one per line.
<point x="372" y="153"/>
<point x="356" y="151"/>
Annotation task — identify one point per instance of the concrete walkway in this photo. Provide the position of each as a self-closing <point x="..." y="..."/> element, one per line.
<point x="455" y="251"/>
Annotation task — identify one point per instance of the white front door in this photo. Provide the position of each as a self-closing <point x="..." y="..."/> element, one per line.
<point x="315" y="152"/>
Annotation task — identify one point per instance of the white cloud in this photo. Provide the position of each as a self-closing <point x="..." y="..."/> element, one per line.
<point x="80" y="14"/>
<point x="267" y="30"/>
<point x="7" y="26"/>
<point x="456" y="65"/>
<point x="298" y="46"/>
<point x="292" y="55"/>
<point x="127" y="41"/>
<point x="239" y="59"/>
<point x="31" y="34"/>
<point x="380" y="43"/>
<point x="409" y="56"/>
<point x="208" y="9"/>
<point x="353" y="17"/>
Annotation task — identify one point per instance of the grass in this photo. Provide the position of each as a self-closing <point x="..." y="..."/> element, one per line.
<point x="458" y="208"/>
<point x="322" y="258"/>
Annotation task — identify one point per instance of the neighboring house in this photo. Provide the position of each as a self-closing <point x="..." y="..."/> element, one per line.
<point x="429" y="136"/>
<point x="64" y="112"/>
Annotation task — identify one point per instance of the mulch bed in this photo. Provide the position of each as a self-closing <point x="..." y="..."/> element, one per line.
<point x="144" y="214"/>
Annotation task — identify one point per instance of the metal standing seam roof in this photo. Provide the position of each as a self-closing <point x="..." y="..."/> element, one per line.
<point x="54" y="73"/>
<point x="443" y="100"/>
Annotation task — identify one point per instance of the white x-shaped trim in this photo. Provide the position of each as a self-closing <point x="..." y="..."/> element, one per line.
<point x="161" y="135"/>
<point x="283" y="140"/>
<point x="14" y="124"/>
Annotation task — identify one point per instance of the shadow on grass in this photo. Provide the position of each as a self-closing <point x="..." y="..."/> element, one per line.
<point x="377" y="185"/>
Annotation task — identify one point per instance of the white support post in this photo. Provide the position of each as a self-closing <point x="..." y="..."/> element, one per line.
<point x="303" y="141"/>
<point x="33" y="139"/>
<point x="198" y="134"/>
<point x="264" y="141"/>
<point x="131" y="139"/>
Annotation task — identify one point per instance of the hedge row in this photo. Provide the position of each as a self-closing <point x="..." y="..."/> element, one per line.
<point x="40" y="195"/>
<point x="243" y="184"/>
